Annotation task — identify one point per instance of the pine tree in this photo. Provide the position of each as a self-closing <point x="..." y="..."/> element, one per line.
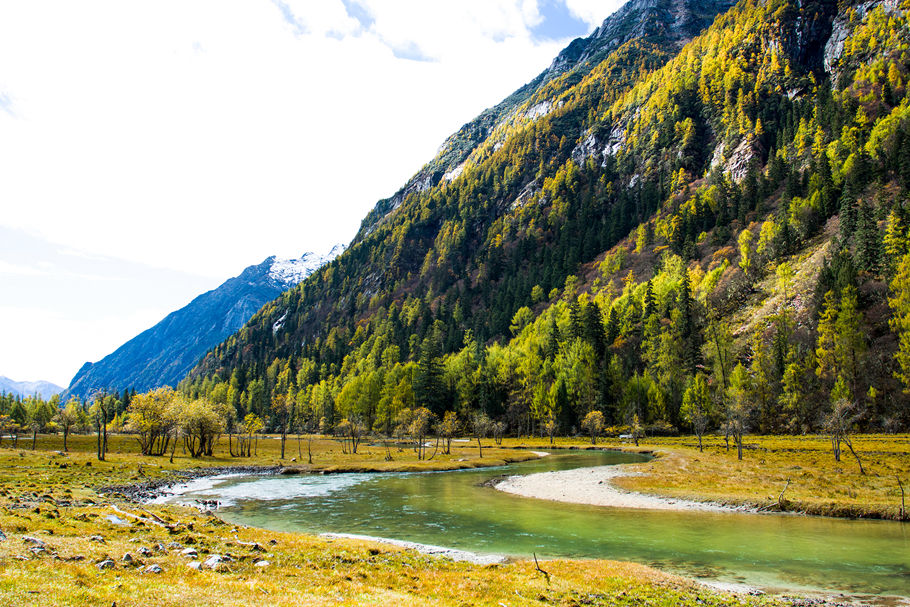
<point x="900" y="321"/>
<point x="428" y="378"/>
<point x="868" y="240"/>
<point x="650" y="305"/>
<point x="895" y="242"/>
<point x="826" y="343"/>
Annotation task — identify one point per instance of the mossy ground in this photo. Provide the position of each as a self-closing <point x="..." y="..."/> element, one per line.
<point x="52" y="497"/>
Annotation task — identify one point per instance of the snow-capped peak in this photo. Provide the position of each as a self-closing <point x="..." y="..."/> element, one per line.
<point x="292" y="271"/>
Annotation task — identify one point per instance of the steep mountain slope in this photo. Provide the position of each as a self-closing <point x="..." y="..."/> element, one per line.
<point x="162" y="355"/>
<point x="606" y="218"/>
<point x="43" y="389"/>
<point x="664" y="23"/>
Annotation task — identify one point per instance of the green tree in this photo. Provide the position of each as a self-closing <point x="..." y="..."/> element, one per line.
<point x="151" y="417"/>
<point x="900" y="320"/>
<point x="697" y="408"/>
<point x="738" y="406"/>
<point x="593" y="424"/>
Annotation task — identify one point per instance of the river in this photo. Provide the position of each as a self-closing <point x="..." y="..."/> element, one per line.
<point x="774" y="552"/>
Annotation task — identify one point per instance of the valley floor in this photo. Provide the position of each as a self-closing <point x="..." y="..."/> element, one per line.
<point x="64" y="543"/>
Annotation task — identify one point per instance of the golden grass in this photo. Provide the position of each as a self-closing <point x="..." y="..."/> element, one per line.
<point x="53" y="497"/>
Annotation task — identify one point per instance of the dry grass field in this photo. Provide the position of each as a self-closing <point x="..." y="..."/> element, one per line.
<point x="61" y="548"/>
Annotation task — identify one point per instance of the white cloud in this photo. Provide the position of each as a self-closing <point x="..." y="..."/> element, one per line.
<point x="593" y="12"/>
<point x="16" y="269"/>
<point x="207" y="135"/>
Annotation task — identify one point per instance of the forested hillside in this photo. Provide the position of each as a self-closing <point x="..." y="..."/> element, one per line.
<point x="661" y="235"/>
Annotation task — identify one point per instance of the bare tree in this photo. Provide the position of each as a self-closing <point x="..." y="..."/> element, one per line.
<point x="481" y="423"/>
<point x="840" y="419"/>
<point x="447" y="429"/>
<point x="420" y="427"/>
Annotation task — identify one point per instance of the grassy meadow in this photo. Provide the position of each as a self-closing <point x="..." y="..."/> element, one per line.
<point x="52" y="497"/>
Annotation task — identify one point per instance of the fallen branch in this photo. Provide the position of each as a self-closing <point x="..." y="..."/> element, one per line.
<point x="144" y="519"/>
<point x="537" y="565"/>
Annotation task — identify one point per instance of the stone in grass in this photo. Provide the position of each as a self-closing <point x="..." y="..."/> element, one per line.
<point x="153" y="569"/>
<point x="113" y="519"/>
<point x="96" y="538"/>
<point x="32" y="540"/>
<point x="189" y="553"/>
<point x="213" y="561"/>
<point x="2" y="536"/>
<point x="172" y="546"/>
<point x="143" y="551"/>
<point x="127" y="558"/>
<point x="195" y="565"/>
<point x="106" y="564"/>
<point x="262" y="564"/>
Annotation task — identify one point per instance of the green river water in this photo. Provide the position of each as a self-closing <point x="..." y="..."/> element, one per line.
<point x="776" y="552"/>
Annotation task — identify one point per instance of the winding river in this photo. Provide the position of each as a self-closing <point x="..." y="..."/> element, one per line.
<point x="775" y="552"/>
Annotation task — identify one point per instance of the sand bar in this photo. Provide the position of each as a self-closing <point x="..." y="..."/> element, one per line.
<point x="594" y="486"/>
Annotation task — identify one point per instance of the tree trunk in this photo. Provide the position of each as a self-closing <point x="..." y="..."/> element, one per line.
<point x="480" y="447"/>
<point x="173" y="446"/>
<point x="34" y="438"/>
<point x="66" y="433"/>
<point x="284" y="437"/>
<point x="858" y="460"/>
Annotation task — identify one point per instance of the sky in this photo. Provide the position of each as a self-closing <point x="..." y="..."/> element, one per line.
<point x="149" y="150"/>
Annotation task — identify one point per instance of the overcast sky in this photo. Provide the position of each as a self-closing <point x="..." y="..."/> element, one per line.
<point x="151" y="150"/>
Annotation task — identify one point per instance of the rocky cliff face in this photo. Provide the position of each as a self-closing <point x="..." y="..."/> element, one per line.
<point x="163" y="354"/>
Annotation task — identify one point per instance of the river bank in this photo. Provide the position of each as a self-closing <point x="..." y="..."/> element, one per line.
<point x="793" y="474"/>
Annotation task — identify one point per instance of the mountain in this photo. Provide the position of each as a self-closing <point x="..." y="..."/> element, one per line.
<point x="696" y="199"/>
<point x="664" y="23"/>
<point x="44" y="389"/>
<point x="162" y="355"/>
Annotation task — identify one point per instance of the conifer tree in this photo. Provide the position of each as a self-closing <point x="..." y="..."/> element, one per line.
<point x="900" y="321"/>
<point x="868" y="240"/>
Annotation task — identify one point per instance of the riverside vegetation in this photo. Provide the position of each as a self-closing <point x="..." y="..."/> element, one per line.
<point x="61" y="548"/>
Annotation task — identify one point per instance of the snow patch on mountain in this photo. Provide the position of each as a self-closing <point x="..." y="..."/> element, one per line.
<point x="293" y="271"/>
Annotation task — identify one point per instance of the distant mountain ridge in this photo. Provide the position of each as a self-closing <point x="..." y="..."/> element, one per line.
<point x="162" y="355"/>
<point x="43" y="389"/>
